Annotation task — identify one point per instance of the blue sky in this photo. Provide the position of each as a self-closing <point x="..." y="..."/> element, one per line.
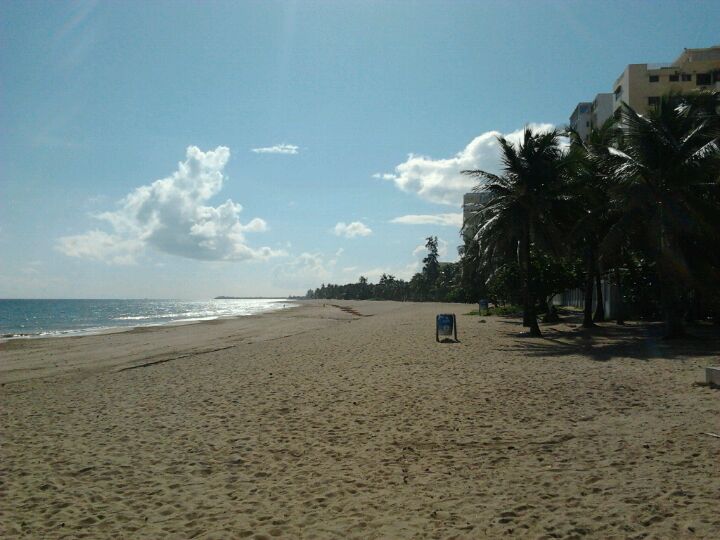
<point x="193" y="149"/>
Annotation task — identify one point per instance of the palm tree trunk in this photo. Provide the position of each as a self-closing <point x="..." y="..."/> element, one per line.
<point x="620" y="317"/>
<point x="589" y="280"/>
<point x="673" y="308"/>
<point x="600" y="305"/>
<point x="671" y="295"/>
<point x="530" y="297"/>
<point x="674" y="323"/>
<point x="522" y="266"/>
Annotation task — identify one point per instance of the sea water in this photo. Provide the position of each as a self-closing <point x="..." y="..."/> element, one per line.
<point x="37" y="318"/>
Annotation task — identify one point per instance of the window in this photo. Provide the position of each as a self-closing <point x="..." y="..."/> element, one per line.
<point x="702" y="79"/>
<point x="686" y="77"/>
<point x="587" y="124"/>
<point x="618" y="92"/>
<point x="654" y="78"/>
<point x="653" y="101"/>
<point x="674" y="78"/>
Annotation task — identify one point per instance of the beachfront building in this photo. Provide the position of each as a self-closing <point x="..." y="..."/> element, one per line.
<point x="588" y="116"/>
<point x="601" y="109"/>
<point x="642" y="85"/>
<point x="580" y="119"/>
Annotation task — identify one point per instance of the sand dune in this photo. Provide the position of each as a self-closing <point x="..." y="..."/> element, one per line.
<point x="325" y="423"/>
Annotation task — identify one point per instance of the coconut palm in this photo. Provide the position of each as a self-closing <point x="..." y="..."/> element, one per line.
<point x="588" y="187"/>
<point x="525" y="204"/>
<point x="666" y="187"/>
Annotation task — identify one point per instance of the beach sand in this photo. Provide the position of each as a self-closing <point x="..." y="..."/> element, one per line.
<point x="316" y="422"/>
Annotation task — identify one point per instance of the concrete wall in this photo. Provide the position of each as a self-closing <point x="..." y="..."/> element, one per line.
<point x="602" y="109"/>
<point x="576" y="298"/>
<point x="580" y="119"/>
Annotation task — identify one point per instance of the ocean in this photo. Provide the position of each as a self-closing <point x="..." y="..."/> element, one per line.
<point x="38" y="318"/>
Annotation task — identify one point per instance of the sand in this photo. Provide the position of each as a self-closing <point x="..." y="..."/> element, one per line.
<point x="320" y="423"/>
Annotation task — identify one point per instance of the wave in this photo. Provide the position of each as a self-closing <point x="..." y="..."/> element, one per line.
<point x="39" y="319"/>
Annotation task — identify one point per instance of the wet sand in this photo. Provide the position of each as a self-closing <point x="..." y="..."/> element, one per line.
<point x="318" y="422"/>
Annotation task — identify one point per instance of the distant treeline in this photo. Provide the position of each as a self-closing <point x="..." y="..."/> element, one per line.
<point x="437" y="282"/>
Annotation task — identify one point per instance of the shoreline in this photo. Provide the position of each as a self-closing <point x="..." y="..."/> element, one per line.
<point x="118" y="329"/>
<point x="325" y="422"/>
<point x="24" y="357"/>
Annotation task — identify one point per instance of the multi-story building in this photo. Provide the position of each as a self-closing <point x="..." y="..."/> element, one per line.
<point x="601" y="110"/>
<point x="588" y="116"/>
<point x="642" y="85"/>
<point x="580" y="119"/>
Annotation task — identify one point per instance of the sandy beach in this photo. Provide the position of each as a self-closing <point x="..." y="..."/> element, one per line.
<point x="321" y="422"/>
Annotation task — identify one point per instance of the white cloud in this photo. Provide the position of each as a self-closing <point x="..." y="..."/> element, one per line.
<point x="450" y="220"/>
<point x="400" y="272"/>
<point x="420" y="251"/>
<point x="101" y="246"/>
<point x="440" y="181"/>
<point x="351" y="230"/>
<point x="170" y="216"/>
<point x="277" y="149"/>
<point x="307" y="270"/>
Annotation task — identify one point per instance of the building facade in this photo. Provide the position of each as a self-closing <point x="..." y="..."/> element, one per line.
<point x="642" y="85"/>
<point x="601" y="110"/>
<point x="580" y="119"/>
<point x="588" y="116"/>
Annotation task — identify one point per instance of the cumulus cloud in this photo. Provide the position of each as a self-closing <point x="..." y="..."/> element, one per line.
<point x="307" y="270"/>
<point x="439" y="180"/>
<point x="351" y="230"/>
<point x="421" y="251"/>
<point x="101" y="246"/>
<point x="277" y="149"/>
<point x="450" y="220"/>
<point x="170" y="216"/>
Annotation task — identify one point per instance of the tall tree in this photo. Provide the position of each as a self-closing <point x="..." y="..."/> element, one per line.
<point x="526" y="205"/>
<point x="588" y="188"/>
<point x="667" y="181"/>
<point x="431" y="265"/>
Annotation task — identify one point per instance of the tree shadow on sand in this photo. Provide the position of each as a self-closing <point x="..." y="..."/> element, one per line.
<point x="637" y="340"/>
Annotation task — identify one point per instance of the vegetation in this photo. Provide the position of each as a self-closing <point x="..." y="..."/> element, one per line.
<point x="436" y="281"/>
<point x="523" y="210"/>
<point x="636" y="203"/>
<point x="509" y="309"/>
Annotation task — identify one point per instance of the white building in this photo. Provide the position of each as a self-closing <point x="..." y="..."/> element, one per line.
<point x="601" y="109"/>
<point x="580" y="119"/>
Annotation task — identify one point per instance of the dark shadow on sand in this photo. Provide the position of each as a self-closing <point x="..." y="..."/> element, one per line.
<point x="639" y="341"/>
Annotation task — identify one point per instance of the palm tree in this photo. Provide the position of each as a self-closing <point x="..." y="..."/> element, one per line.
<point x="588" y="188"/>
<point x="525" y="203"/>
<point x="667" y="181"/>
